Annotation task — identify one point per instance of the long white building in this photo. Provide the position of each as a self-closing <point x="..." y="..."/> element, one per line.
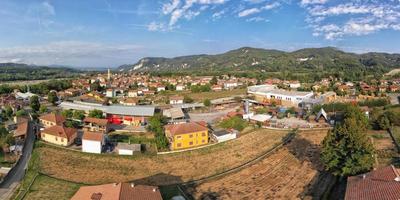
<point x="272" y="94"/>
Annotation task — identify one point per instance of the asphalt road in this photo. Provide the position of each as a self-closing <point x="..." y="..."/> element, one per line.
<point x="17" y="173"/>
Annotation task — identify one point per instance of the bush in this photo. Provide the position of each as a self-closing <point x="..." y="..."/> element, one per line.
<point x="236" y="123"/>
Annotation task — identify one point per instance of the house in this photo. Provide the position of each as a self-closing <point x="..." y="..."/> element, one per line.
<point x="24" y="96"/>
<point x="294" y="84"/>
<point x="22" y="130"/>
<point x="321" y="116"/>
<point x="180" y="87"/>
<point x="224" y="135"/>
<point x="51" y="119"/>
<point x="176" y="100"/>
<point x="216" y="88"/>
<point x="186" y="135"/>
<point x="110" y="93"/>
<point x="127" y="149"/>
<point x="260" y="118"/>
<point x="383" y="183"/>
<point x="174" y="113"/>
<point x="132" y="93"/>
<point x="92" y="142"/>
<point x="59" y="135"/>
<point x="118" y="191"/>
<point x="96" y="124"/>
<point x="129" y="101"/>
<point x="230" y="84"/>
<point x="160" y="88"/>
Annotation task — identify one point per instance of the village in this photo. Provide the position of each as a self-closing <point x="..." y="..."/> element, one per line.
<point x="134" y="114"/>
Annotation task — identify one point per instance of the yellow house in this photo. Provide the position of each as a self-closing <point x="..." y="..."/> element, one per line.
<point x="59" y="135"/>
<point x="186" y="135"/>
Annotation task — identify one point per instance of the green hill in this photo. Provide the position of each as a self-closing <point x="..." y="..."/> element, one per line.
<point x="322" y="60"/>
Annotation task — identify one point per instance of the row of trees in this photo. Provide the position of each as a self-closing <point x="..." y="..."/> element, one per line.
<point x="156" y="125"/>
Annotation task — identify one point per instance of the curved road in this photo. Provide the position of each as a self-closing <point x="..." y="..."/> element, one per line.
<point x="17" y="173"/>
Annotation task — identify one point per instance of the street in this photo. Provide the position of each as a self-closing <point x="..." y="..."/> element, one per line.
<point x="17" y="173"/>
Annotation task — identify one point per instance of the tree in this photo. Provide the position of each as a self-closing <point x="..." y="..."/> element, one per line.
<point x="214" y="80"/>
<point x="67" y="113"/>
<point x="34" y="102"/>
<point x="21" y="113"/>
<point x="187" y="99"/>
<point x="384" y="122"/>
<point x="43" y="109"/>
<point x="9" y="111"/>
<point x="52" y="97"/>
<point x="207" y="102"/>
<point x="156" y="124"/>
<point x="96" y="113"/>
<point x="347" y="150"/>
<point x="79" y="114"/>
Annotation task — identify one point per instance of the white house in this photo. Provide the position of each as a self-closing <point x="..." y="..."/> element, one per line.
<point x="224" y="135"/>
<point x="132" y="93"/>
<point x="180" y="87"/>
<point x="127" y="149"/>
<point x="176" y="100"/>
<point x="110" y="93"/>
<point x="160" y="88"/>
<point x="92" y="142"/>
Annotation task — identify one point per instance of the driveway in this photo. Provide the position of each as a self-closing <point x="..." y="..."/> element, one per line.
<point x="211" y="116"/>
<point x="17" y="173"/>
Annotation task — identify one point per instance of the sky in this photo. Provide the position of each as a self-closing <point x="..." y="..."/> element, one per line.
<point x="109" y="33"/>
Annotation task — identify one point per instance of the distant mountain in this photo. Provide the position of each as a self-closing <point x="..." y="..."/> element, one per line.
<point x="256" y="59"/>
<point x="17" y="71"/>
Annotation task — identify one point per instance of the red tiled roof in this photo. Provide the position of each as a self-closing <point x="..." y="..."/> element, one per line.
<point x="60" y="131"/>
<point x="190" y="127"/>
<point x="101" y="122"/>
<point x="94" y="136"/>
<point x="118" y="191"/>
<point x="375" y="185"/>
<point x="22" y="129"/>
<point x="58" y="119"/>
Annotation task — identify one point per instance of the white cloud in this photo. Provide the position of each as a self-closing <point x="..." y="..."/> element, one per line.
<point x="353" y="19"/>
<point x="257" y="19"/>
<point x="252" y="11"/>
<point x="309" y="2"/>
<point x="154" y="26"/>
<point x="49" y="8"/>
<point x="186" y="9"/>
<point x="69" y="53"/>
<point x="218" y="14"/>
<point x="248" y="12"/>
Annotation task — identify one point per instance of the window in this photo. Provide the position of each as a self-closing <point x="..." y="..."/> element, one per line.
<point x="178" y="137"/>
<point x="203" y="141"/>
<point x="62" y="139"/>
<point x="191" y="135"/>
<point x="190" y="143"/>
<point x="43" y="135"/>
<point x="56" y="138"/>
<point x="179" y="145"/>
<point x="203" y="134"/>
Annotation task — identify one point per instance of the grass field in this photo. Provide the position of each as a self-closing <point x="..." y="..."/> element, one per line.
<point x="385" y="149"/>
<point x="155" y="169"/>
<point x="290" y="173"/>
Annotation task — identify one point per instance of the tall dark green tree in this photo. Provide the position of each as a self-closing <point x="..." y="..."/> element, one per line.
<point x="34" y="103"/>
<point x="52" y="97"/>
<point x="347" y="150"/>
<point x="214" y="80"/>
<point x="96" y="113"/>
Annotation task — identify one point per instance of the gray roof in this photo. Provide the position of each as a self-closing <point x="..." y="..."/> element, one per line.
<point x="113" y="109"/>
<point x="130" y="110"/>
<point x="126" y="146"/>
<point x="174" y="113"/>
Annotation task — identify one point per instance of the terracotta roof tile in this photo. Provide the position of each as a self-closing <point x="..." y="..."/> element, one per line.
<point x="101" y="122"/>
<point x="190" y="127"/>
<point x="58" y="119"/>
<point x="60" y="131"/>
<point x="375" y="185"/>
<point x="94" y="136"/>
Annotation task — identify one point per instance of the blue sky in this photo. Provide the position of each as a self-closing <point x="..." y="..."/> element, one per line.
<point x="108" y="33"/>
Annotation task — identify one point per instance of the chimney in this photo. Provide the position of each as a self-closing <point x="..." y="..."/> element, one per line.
<point x="154" y="189"/>
<point x="132" y="185"/>
<point x="364" y="176"/>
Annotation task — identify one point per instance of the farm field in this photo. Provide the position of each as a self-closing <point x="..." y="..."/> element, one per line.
<point x="155" y="169"/>
<point x="384" y="147"/>
<point x="286" y="174"/>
